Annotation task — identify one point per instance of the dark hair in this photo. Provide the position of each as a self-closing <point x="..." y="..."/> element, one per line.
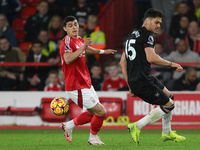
<point x="153" y="13"/>
<point x="113" y="64"/>
<point x="42" y="30"/>
<point x="183" y="2"/>
<point x="53" y="72"/>
<point x="4" y="37"/>
<point x="67" y="19"/>
<point x="41" y="1"/>
<point x="37" y="42"/>
<point x="96" y="64"/>
<point x="189" y="69"/>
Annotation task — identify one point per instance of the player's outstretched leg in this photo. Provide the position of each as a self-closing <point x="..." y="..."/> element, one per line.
<point x="67" y="132"/>
<point x="172" y="136"/>
<point x="135" y="132"/>
<point x="167" y="133"/>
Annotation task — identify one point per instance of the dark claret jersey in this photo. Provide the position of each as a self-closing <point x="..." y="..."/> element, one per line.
<point x="138" y="68"/>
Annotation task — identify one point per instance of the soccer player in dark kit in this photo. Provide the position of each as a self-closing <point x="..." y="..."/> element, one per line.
<point x="135" y="64"/>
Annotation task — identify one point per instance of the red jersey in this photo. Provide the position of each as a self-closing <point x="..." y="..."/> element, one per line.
<point x="114" y="85"/>
<point x="76" y="73"/>
<point x="53" y="87"/>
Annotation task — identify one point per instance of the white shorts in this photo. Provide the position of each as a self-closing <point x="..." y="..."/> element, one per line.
<point x="84" y="98"/>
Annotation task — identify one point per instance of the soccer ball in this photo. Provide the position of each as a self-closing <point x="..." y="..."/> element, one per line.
<point x="59" y="106"/>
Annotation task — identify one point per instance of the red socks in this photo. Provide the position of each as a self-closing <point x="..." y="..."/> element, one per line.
<point x="96" y="124"/>
<point x="83" y="118"/>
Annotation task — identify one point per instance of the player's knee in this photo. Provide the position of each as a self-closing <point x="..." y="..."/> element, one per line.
<point x="99" y="110"/>
<point x="103" y="112"/>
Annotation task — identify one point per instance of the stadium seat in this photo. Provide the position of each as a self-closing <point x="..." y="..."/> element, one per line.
<point x="33" y="2"/>
<point x="74" y="110"/>
<point x="32" y="89"/>
<point x="46" y="113"/>
<point x="20" y="35"/>
<point x="24" y="3"/>
<point x="18" y="24"/>
<point x="4" y="110"/>
<point x="24" y="111"/>
<point x="24" y="46"/>
<point x="113" y="106"/>
<point x="27" y="12"/>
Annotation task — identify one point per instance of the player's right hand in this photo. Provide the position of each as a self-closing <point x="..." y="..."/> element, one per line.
<point x="88" y="41"/>
<point x="177" y="67"/>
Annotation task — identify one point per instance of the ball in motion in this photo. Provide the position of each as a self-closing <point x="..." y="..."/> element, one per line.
<point x="59" y="106"/>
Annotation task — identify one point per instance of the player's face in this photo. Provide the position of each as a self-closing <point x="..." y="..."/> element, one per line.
<point x="72" y="28"/>
<point x="155" y="24"/>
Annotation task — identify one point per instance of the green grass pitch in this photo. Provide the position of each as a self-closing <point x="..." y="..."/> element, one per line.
<point x="53" y="139"/>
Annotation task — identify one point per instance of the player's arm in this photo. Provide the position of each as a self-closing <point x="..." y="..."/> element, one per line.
<point x="72" y="56"/>
<point x="123" y="66"/>
<point x="153" y="58"/>
<point x="91" y="50"/>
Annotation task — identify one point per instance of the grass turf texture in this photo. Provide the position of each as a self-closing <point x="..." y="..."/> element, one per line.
<point x="53" y="139"/>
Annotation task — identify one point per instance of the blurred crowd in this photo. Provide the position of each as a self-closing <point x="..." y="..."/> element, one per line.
<point x="32" y="30"/>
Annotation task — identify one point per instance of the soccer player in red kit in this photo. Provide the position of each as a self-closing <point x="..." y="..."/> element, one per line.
<point x="78" y="82"/>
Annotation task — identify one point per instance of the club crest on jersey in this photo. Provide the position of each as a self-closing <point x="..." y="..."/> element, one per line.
<point x="150" y="40"/>
<point x="67" y="46"/>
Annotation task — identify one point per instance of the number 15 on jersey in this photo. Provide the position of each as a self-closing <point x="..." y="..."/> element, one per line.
<point x="130" y="50"/>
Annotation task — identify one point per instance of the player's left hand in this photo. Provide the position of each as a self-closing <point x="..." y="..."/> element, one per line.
<point x="109" y="51"/>
<point x="131" y="93"/>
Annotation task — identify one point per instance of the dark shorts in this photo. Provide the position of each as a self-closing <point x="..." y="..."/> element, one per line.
<point x="151" y="92"/>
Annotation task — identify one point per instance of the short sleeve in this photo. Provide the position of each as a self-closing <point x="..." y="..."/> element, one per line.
<point x="65" y="47"/>
<point x="149" y="41"/>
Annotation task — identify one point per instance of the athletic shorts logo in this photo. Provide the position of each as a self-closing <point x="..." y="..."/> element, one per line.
<point x="157" y="94"/>
<point x="92" y="100"/>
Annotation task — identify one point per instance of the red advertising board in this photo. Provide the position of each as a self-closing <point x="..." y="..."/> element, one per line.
<point x="187" y="108"/>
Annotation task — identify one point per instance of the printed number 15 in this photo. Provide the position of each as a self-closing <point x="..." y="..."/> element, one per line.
<point x="131" y="49"/>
